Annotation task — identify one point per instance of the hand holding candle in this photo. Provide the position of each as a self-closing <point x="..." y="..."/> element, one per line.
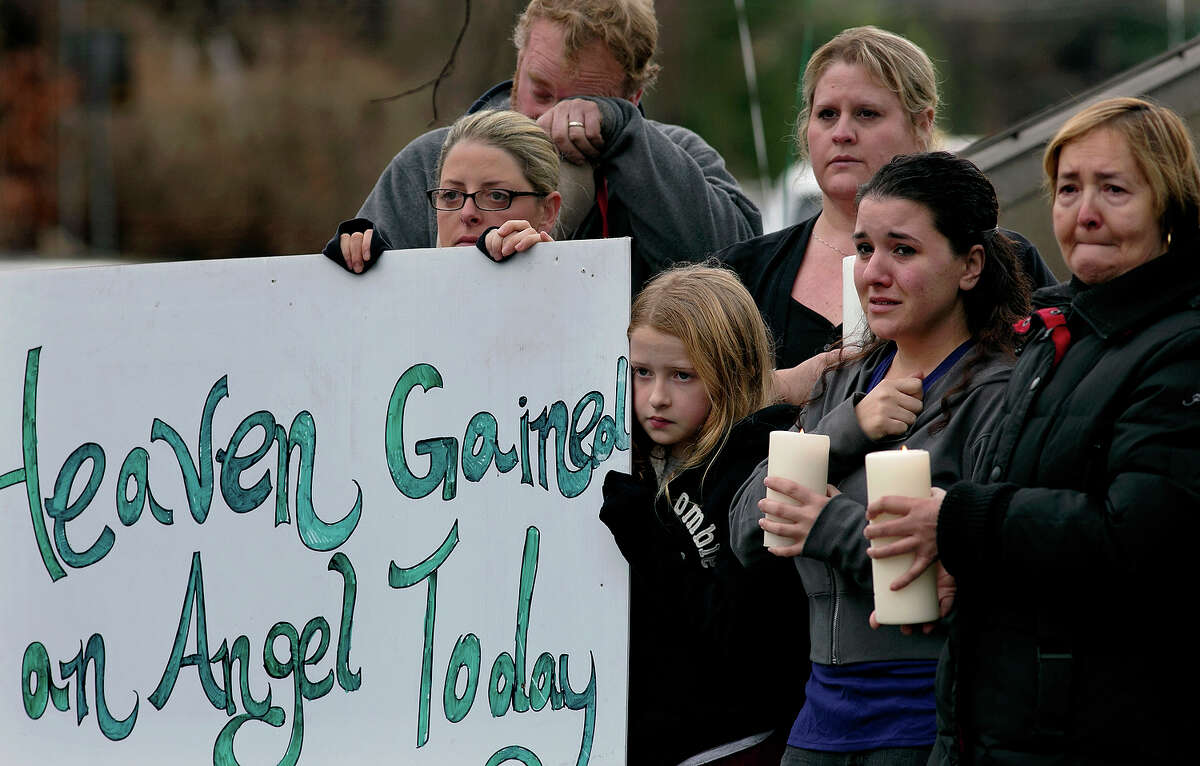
<point x="911" y="526"/>
<point x="903" y="473"/>
<point x="801" y="457"/>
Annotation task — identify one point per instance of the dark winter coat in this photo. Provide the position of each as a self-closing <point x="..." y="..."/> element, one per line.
<point x="1067" y="641"/>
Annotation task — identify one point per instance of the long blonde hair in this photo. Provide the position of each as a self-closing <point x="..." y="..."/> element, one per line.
<point x="709" y="310"/>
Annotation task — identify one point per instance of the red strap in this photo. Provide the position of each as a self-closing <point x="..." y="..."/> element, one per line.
<point x="602" y="203"/>
<point x="1054" y="321"/>
<point x="1052" y="317"/>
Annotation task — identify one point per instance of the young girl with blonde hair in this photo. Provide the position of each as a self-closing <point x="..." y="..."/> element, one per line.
<point x="701" y="363"/>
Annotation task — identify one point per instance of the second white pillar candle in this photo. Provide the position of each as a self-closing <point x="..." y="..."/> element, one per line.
<point x="854" y="321"/>
<point x="903" y="473"/>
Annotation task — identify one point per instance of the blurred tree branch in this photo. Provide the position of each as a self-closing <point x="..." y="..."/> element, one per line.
<point x="447" y="68"/>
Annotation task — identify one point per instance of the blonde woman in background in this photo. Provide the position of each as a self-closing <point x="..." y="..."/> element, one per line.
<point x="869" y="95"/>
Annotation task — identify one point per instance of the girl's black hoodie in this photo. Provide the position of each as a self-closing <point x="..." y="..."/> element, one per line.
<point x="717" y="652"/>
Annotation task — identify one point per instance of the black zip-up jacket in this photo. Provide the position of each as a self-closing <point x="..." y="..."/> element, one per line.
<point x="716" y="652"/>
<point x="1067" y="644"/>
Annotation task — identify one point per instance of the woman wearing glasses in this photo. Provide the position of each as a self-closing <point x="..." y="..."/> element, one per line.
<point x="497" y="189"/>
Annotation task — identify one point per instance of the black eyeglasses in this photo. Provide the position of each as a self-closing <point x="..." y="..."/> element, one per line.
<point x="485" y="199"/>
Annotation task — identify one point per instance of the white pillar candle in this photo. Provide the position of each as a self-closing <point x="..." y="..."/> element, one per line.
<point x="903" y="473"/>
<point x="801" y="457"/>
<point x="854" y="321"/>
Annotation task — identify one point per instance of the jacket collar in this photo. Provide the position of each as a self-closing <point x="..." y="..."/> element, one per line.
<point x="497" y="97"/>
<point x="1132" y="299"/>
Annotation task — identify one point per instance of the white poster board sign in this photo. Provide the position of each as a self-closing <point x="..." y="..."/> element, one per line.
<point x="266" y="512"/>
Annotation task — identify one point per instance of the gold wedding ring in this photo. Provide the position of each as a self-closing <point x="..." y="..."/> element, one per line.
<point x="574" y="124"/>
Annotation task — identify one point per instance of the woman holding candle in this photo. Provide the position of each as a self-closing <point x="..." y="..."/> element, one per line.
<point x="701" y="367"/>
<point x="868" y="96"/>
<point x="1068" y="641"/>
<point x="942" y="288"/>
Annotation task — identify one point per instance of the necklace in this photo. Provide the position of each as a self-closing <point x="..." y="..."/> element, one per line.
<point x="831" y="246"/>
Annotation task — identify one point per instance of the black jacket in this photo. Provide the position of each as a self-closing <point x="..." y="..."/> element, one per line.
<point x="717" y="652"/>
<point x="1067" y="642"/>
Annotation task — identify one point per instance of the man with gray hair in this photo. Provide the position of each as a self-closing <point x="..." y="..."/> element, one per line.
<point x="582" y="68"/>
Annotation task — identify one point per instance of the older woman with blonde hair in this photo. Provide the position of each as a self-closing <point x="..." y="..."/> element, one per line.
<point x="1066" y="645"/>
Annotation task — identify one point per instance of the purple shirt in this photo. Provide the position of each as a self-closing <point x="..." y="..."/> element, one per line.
<point x="867" y="706"/>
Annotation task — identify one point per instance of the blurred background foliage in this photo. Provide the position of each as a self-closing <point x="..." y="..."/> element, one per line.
<point x="214" y="128"/>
